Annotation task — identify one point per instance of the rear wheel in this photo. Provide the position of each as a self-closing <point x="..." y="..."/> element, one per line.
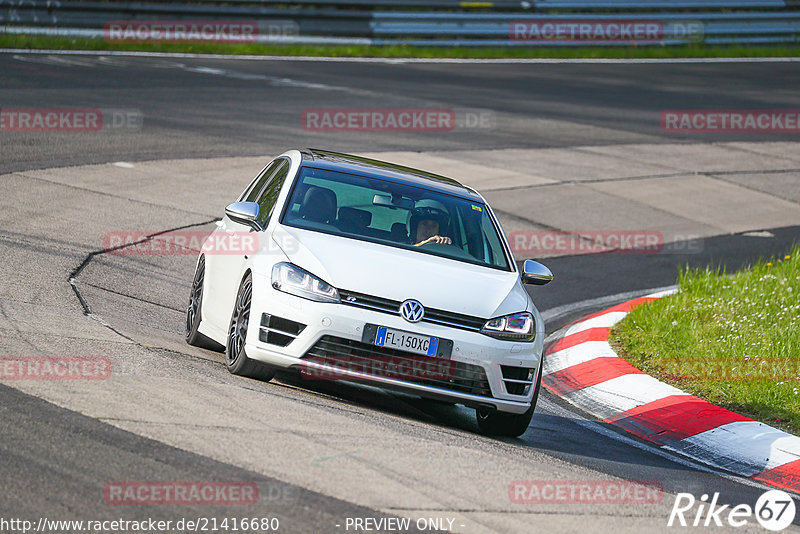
<point x="494" y="423"/>
<point x="191" y="333"/>
<point x="236" y="359"/>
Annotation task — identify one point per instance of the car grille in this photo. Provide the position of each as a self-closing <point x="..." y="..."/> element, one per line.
<point x="355" y="355"/>
<point x="392" y="307"/>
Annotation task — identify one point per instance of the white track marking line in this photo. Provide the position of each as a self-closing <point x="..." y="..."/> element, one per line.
<point x="555" y="61"/>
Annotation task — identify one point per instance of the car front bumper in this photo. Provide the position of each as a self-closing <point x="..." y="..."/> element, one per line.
<point x="345" y="324"/>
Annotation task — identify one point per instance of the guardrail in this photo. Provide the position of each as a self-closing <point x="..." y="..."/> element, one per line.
<point x="670" y="28"/>
<point x="498" y="23"/>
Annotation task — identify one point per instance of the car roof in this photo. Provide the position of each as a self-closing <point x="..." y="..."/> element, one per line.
<point x="337" y="161"/>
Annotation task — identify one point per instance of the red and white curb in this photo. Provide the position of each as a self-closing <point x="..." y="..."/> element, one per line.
<point x="581" y="367"/>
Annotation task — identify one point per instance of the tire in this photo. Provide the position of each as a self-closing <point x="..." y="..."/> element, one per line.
<point x="236" y="359"/>
<point x="193" y="311"/>
<point x="494" y="423"/>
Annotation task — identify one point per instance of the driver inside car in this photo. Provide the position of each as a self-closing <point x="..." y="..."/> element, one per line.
<point x="428" y="219"/>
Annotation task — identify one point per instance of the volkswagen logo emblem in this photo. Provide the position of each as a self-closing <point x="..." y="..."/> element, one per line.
<point x="412" y="311"/>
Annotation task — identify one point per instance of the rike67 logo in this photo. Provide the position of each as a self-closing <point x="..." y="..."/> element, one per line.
<point x="774" y="510"/>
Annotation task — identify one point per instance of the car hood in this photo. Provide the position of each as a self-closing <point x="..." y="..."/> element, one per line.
<point x="398" y="274"/>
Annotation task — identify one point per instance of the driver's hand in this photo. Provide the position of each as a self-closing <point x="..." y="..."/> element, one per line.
<point x="438" y="239"/>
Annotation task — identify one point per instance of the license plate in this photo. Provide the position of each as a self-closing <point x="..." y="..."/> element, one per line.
<point x="398" y="339"/>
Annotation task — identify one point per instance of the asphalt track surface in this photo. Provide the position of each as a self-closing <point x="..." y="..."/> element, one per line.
<point x="212" y="107"/>
<point x="57" y="461"/>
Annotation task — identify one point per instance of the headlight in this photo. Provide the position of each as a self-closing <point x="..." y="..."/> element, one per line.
<point x="292" y="279"/>
<point x="516" y="327"/>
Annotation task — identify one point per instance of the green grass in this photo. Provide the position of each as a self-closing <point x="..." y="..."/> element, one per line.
<point x="67" y="43"/>
<point x="731" y="340"/>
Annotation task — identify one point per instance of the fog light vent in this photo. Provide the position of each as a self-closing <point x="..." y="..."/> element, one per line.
<point x="518" y="380"/>
<point x="278" y="331"/>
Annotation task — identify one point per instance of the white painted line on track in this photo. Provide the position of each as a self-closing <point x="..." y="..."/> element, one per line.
<point x="560" y="311"/>
<point x="556" y="61"/>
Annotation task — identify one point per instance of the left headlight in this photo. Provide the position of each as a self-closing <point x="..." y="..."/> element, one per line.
<point x="516" y="327"/>
<point x="296" y="281"/>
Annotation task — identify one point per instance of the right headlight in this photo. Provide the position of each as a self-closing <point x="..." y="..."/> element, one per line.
<point x="515" y="327"/>
<point x="296" y="281"/>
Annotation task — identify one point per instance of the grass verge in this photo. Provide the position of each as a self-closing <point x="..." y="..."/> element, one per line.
<point x="731" y="340"/>
<point x="632" y="52"/>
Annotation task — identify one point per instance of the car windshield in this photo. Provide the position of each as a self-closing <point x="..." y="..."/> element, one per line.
<point x="395" y="214"/>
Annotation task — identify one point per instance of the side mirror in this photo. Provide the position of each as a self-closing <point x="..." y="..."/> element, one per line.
<point x="535" y="273"/>
<point x="244" y="213"/>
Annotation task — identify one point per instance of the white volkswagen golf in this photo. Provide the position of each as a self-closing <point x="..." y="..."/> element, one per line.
<point x="367" y="271"/>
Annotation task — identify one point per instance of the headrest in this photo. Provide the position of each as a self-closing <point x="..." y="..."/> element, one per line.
<point x="354" y="216"/>
<point x="319" y="205"/>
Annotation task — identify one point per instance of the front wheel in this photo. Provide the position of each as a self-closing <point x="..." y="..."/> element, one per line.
<point x="191" y="333"/>
<point x="494" y="423"/>
<point x="236" y="359"/>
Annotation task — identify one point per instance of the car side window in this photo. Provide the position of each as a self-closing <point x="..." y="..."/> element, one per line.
<point x="494" y="248"/>
<point x="269" y="196"/>
<point x="255" y="188"/>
